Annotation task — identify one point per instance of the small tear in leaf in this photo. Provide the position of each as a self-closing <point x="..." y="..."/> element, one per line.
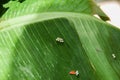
<point x="19" y="0"/>
<point x="93" y="66"/>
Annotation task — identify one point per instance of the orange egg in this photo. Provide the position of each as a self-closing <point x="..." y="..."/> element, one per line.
<point x="72" y="72"/>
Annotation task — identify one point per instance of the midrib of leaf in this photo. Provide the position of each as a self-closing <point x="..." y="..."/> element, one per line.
<point x="28" y="19"/>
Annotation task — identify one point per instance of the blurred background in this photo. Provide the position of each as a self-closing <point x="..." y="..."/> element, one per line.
<point x="112" y="9"/>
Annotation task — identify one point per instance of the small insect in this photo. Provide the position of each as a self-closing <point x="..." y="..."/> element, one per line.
<point x="58" y="39"/>
<point x="113" y="55"/>
<point x="74" y="72"/>
<point x="77" y="73"/>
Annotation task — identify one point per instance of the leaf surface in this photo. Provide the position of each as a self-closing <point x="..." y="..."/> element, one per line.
<point x="29" y="50"/>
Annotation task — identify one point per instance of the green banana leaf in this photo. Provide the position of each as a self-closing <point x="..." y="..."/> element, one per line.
<point x="30" y="48"/>
<point x="38" y="6"/>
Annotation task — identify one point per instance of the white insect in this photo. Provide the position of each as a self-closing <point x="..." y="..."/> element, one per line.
<point x="77" y="73"/>
<point x="113" y="55"/>
<point x="58" y="39"/>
